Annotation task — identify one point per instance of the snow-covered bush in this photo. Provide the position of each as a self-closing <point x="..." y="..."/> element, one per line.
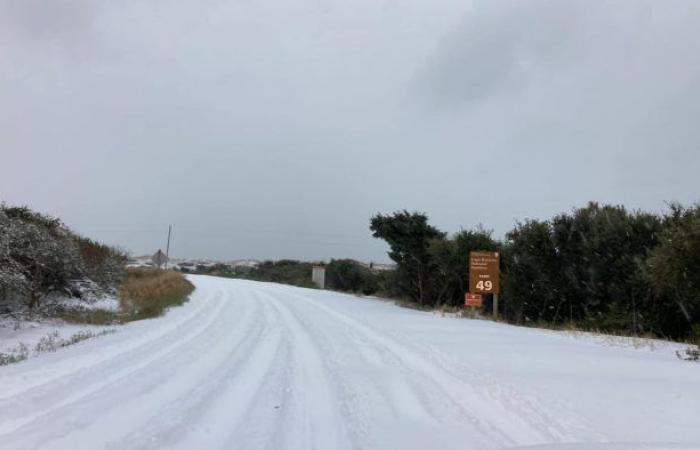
<point x="48" y="343"/>
<point x="13" y="281"/>
<point x="43" y="249"/>
<point x="690" y="354"/>
<point x="102" y="264"/>
<point x="16" y="354"/>
<point x="39" y="255"/>
<point x="53" y="341"/>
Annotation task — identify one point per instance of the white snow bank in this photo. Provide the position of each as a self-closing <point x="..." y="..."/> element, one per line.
<point x="106" y="303"/>
<point x="19" y="336"/>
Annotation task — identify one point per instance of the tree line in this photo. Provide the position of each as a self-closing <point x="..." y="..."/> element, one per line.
<point x="598" y="267"/>
<point x="345" y="275"/>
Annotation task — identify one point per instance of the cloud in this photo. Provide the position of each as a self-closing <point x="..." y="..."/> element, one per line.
<point x="305" y="118"/>
<point x="67" y="25"/>
<point x="507" y="48"/>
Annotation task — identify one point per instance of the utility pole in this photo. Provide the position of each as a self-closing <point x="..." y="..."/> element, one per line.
<point x="167" y="249"/>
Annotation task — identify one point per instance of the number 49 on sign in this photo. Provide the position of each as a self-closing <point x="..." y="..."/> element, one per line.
<point x="484" y="285"/>
<point x="484" y="272"/>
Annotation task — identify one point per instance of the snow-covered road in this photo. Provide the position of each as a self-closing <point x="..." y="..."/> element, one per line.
<point x="248" y="365"/>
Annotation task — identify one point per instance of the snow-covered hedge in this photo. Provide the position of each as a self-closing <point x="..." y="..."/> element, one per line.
<point x="39" y="255"/>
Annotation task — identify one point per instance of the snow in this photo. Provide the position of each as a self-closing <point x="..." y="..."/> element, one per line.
<point x="105" y="303"/>
<point x="30" y="332"/>
<point x="250" y="365"/>
<point x="27" y="333"/>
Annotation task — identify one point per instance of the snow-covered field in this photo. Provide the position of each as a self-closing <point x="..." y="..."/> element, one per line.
<point x="248" y="365"/>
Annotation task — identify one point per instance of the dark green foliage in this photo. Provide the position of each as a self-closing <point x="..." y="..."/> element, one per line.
<point x="431" y="268"/>
<point x="598" y="267"/>
<point x="409" y="236"/>
<point x="351" y="276"/>
<point x="674" y="266"/>
<point x="531" y="274"/>
<point x="450" y="258"/>
<point x="389" y="285"/>
<point x="605" y="248"/>
<point x="295" y="273"/>
<point x="586" y="268"/>
<point x="285" y="271"/>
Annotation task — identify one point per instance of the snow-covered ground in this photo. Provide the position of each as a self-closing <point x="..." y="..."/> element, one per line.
<point x="29" y="337"/>
<point x="104" y="303"/>
<point x="29" y="333"/>
<point x="248" y="365"/>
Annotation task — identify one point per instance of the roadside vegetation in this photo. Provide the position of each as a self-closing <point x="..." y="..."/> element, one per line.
<point x="347" y="275"/>
<point x="41" y="258"/>
<point x="599" y="268"/>
<point x="143" y="293"/>
<point x="50" y="276"/>
<point x="344" y="275"/>
<point x="286" y="271"/>
<point x="148" y="292"/>
<point x="49" y="343"/>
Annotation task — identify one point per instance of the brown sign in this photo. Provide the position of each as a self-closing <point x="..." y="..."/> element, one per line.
<point x="472" y="300"/>
<point x="484" y="273"/>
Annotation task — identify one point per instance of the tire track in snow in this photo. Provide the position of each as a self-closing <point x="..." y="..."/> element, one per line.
<point x="88" y="382"/>
<point x="206" y="415"/>
<point x="156" y="379"/>
<point x="112" y="348"/>
<point x="409" y="396"/>
<point x="562" y="424"/>
<point x="311" y="397"/>
<point x="262" y="366"/>
<point x="496" y="416"/>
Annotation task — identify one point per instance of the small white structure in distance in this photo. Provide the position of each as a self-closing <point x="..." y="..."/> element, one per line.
<point x="318" y="276"/>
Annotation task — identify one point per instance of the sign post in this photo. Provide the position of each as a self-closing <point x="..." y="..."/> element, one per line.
<point x="159" y="258"/>
<point x="484" y="275"/>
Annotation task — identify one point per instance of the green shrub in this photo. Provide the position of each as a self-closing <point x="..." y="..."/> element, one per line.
<point x="351" y="276"/>
<point x="599" y="267"/>
<point x="295" y="273"/>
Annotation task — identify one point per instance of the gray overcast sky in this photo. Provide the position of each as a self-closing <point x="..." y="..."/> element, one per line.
<point x="276" y="129"/>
